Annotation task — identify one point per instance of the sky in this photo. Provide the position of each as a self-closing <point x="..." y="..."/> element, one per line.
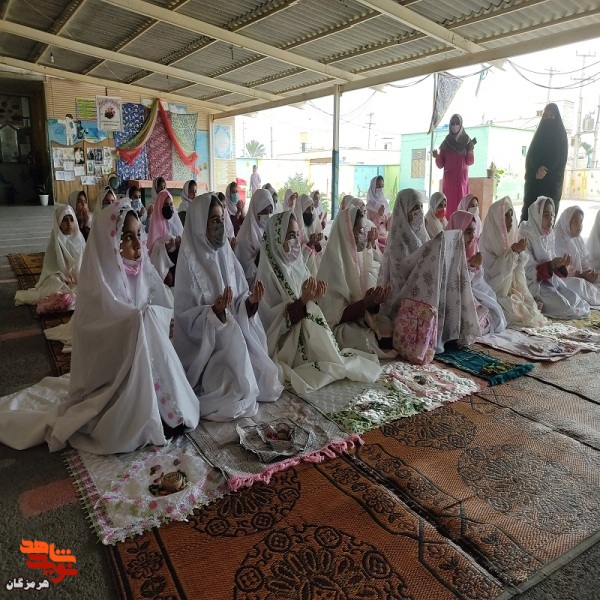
<point x="400" y="110"/>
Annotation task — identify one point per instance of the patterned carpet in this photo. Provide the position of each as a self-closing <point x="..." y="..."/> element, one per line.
<point x="467" y="501"/>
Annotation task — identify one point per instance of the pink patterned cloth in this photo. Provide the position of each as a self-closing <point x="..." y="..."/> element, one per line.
<point x="415" y="331"/>
<point x="160" y="157"/>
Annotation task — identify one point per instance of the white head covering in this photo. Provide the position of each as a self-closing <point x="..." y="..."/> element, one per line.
<point x="345" y="203"/>
<point x="346" y="271"/>
<point x="107" y="189"/>
<point x="251" y="233"/>
<point x="160" y="229"/>
<point x="464" y="205"/>
<point x="319" y="207"/>
<point x="432" y="223"/>
<point x="303" y="203"/>
<point x="288" y="193"/>
<point x="154" y="192"/>
<point x="230" y="206"/>
<point x="185" y="196"/>
<point x="376" y="198"/>
<point x="63" y="253"/>
<point x="495" y="239"/>
<point x="593" y="243"/>
<point x="566" y="244"/>
<point x="541" y="243"/>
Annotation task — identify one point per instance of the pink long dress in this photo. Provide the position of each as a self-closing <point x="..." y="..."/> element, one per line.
<point x="455" y="184"/>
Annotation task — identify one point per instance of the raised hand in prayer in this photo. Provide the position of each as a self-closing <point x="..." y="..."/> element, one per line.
<point x="541" y="172"/>
<point x="258" y="291"/>
<point x="435" y="154"/>
<point x="561" y="261"/>
<point x="309" y="290"/>
<point x="476" y="260"/>
<point x="222" y="303"/>
<point x="233" y="243"/>
<point x="375" y="296"/>
<point x="381" y="211"/>
<point x="321" y="289"/>
<point x="372" y="237"/>
<point x="519" y="246"/>
<point x="313" y="241"/>
<point x="171" y="244"/>
<point x="590" y="275"/>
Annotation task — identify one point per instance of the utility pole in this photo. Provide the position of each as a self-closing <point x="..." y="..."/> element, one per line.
<point x="594" y="153"/>
<point x="370" y="125"/>
<point x="551" y="72"/>
<point x="583" y="56"/>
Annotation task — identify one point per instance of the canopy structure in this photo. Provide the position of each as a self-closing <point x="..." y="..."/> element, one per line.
<point x="242" y="56"/>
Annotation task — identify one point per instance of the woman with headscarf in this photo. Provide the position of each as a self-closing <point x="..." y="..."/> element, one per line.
<point x="106" y="197"/>
<point x="234" y="207"/>
<point x="378" y="210"/>
<point x="164" y="237"/>
<point x="127" y="388"/>
<point x="345" y="203"/>
<point x="310" y="233"/>
<point x="158" y="185"/>
<point x="251" y="233"/>
<point x="353" y="298"/>
<point x="504" y="260"/>
<point x="490" y="313"/>
<point x="433" y="272"/>
<point x="188" y="193"/>
<point x="593" y="244"/>
<point x="218" y="334"/>
<point x="134" y="195"/>
<point x="83" y="214"/>
<point x="568" y="241"/>
<point x="470" y="204"/>
<point x="57" y="286"/>
<point x="435" y="219"/>
<point x="455" y="156"/>
<point x="320" y="211"/>
<point x="300" y="341"/>
<point x="547" y="275"/>
<point x="276" y="204"/>
<point x="289" y="199"/>
<point x="546" y="160"/>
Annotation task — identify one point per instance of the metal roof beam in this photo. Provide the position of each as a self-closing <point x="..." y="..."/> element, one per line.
<point x="203" y="28"/>
<point x="409" y="17"/>
<point x="70" y="10"/>
<point x="107" y="83"/>
<point x="88" y="50"/>
<point x="541" y="42"/>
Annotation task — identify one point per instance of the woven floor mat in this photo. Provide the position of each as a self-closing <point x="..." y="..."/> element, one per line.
<point x="515" y="492"/>
<point x="325" y="531"/>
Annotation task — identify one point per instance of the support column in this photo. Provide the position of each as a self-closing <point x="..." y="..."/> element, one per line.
<point x="335" y="153"/>
<point x="211" y="153"/>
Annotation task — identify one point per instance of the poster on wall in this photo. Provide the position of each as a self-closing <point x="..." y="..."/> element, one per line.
<point x="85" y="108"/>
<point x="110" y="113"/>
<point x="201" y="149"/>
<point x="83" y="131"/>
<point x="222" y="137"/>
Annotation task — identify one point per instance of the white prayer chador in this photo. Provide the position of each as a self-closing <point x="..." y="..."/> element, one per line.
<point x="349" y="274"/>
<point x="593" y="244"/>
<point x="251" y="232"/>
<point x="125" y="375"/>
<point x="184" y="205"/>
<point x="160" y="232"/>
<point x="306" y="353"/>
<point x="62" y="262"/>
<point x="431" y="271"/>
<point x="558" y="295"/>
<point x="312" y="256"/>
<point x="504" y="270"/>
<point x="226" y="363"/>
<point x="432" y="223"/>
<point x="491" y="315"/>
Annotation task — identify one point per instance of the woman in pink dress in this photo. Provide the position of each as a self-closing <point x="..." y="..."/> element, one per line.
<point x="455" y="156"/>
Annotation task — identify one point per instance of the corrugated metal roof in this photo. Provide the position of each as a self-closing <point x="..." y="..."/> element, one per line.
<point x="342" y="33"/>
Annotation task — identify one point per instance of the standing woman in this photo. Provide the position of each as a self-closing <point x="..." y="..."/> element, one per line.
<point x="455" y="156"/>
<point x="546" y="160"/>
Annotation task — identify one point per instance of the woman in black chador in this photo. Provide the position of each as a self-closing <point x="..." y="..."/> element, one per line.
<point x="546" y="160"/>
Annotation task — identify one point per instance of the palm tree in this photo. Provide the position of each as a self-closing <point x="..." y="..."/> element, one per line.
<point x="255" y="149"/>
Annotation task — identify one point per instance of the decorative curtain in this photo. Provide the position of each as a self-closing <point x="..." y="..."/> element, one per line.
<point x="131" y="149"/>
<point x="444" y="90"/>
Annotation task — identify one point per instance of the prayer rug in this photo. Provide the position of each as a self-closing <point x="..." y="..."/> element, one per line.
<point x="483" y="365"/>
<point x="60" y="360"/>
<point x="248" y="450"/>
<point x="512" y="491"/>
<point x="401" y="391"/>
<point x="317" y="531"/>
<point x="27" y="268"/>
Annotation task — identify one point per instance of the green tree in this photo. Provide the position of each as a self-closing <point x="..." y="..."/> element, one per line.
<point x="255" y="149"/>
<point x="298" y="183"/>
